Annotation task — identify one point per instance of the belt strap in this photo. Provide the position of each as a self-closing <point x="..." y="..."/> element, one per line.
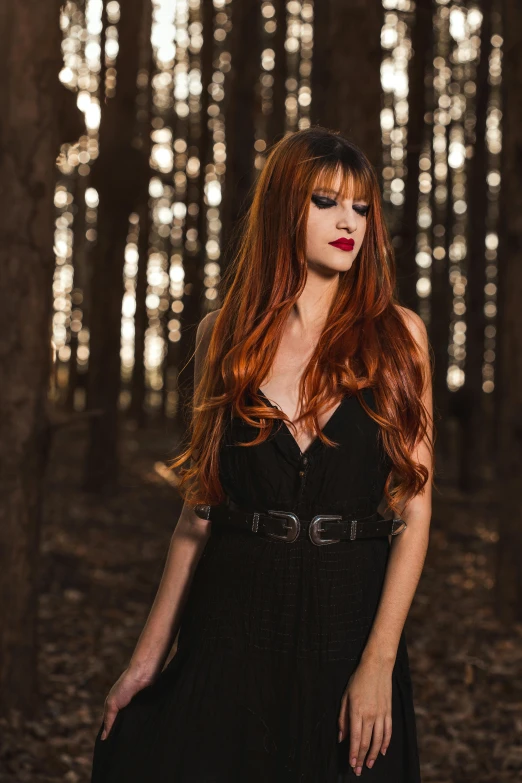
<point x="286" y="526"/>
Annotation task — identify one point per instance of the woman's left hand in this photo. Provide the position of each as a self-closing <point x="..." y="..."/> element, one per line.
<point x="366" y="709"/>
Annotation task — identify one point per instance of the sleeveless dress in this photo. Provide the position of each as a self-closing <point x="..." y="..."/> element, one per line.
<point x="272" y="631"/>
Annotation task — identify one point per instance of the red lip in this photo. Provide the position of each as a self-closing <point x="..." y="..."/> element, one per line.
<point x="343" y="244"/>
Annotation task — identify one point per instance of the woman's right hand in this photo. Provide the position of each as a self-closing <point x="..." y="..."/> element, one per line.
<point x="125" y="687"/>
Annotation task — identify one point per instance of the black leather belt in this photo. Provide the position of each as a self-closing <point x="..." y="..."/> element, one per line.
<point x="286" y="526"/>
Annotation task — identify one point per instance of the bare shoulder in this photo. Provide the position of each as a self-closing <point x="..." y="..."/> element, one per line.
<point x="203" y="335"/>
<point x="206" y="326"/>
<point x="415" y="324"/>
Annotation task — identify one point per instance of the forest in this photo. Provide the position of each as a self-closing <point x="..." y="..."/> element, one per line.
<point x="132" y="134"/>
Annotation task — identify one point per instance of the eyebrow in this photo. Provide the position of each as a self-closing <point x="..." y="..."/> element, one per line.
<point x="327" y="190"/>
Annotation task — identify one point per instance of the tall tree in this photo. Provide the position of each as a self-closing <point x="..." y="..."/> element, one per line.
<point x="422" y="57"/>
<point x="117" y="174"/>
<point x="180" y="354"/>
<point x="277" y="119"/>
<point x="471" y="403"/>
<point x="509" y="362"/>
<point x="346" y="72"/>
<point x="442" y="308"/>
<point x="136" y="409"/>
<point x="78" y="295"/>
<point x="33" y="102"/>
<point x="441" y="291"/>
<point x="242" y="110"/>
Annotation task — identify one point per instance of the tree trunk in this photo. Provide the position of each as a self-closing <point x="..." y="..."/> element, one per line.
<point x="276" y="125"/>
<point x="180" y="353"/>
<point x="321" y="64"/>
<point x="472" y="420"/>
<point x="117" y="174"/>
<point x="422" y="48"/>
<point x="343" y="97"/>
<point x="441" y="312"/>
<point x="137" y="406"/>
<point x="80" y="283"/>
<point x="29" y="138"/>
<point x="509" y="367"/>
<point x="241" y="114"/>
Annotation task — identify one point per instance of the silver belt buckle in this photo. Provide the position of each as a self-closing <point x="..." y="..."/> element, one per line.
<point x="314" y="529"/>
<point x="293" y="528"/>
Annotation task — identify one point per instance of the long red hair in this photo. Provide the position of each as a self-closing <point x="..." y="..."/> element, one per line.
<point x="365" y="341"/>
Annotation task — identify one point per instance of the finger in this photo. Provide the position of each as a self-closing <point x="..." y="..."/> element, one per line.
<point x="387" y="733"/>
<point x="110" y="715"/>
<point x="355" y="736"/>
<point x="342" y="720"/>
<point x="378" y="733"/>
<point x="366" y="738"/>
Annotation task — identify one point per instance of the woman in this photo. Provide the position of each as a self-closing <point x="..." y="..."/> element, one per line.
<point x="290" y="589"/>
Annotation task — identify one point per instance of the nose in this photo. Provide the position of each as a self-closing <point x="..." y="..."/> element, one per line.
<point x="349" y="221"/>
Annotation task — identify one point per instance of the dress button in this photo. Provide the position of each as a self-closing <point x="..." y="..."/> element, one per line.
<point x="301" y="472"/>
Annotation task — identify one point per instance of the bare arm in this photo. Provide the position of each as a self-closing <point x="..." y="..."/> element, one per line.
<point x="366" y="705"/>
<point x="408" y="550"/>
<point x="186" y="547"/>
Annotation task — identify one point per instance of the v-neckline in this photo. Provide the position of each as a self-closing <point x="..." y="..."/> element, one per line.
<point x="315" y="439"/>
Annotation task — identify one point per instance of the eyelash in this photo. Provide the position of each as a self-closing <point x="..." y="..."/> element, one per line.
<point x="326" y="203"/>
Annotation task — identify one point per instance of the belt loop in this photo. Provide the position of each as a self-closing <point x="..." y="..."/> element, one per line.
<point x="255" y="522"/>
<point x="353" y="530"/>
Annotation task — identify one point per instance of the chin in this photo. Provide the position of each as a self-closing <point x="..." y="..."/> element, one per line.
<point x="329" y="267"/>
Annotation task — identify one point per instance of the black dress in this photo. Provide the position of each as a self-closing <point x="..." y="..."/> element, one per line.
<point x="272" y="631"/>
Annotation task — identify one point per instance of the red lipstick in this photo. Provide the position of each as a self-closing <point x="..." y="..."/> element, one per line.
<point x="343" y="244"/>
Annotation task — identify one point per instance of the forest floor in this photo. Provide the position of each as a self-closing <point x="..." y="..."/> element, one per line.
<point x="102" y="559"/>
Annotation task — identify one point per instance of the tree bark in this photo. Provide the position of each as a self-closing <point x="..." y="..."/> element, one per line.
<point x="508" y="591"/>
<point x="471" y="405"/>
<point x="276" y="124"/>
<point x="30" y="97"/>
<point x="422" y="55"/>
<point x="346" y="88"/>
<point x="180" y="354"/>
<point x="441" y="312"/>
<point x="80" y="283"/>
<point x="117" y="174"/>
<point x="241" y="113"/>
<point x="137" y="406"/>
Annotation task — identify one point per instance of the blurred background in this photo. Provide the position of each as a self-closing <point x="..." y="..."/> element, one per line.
<point x="131" y="135"/>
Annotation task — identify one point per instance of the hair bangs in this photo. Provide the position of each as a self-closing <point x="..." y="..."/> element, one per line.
<point x="356" y="182"/>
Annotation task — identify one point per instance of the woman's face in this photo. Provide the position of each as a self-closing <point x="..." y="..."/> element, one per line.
<point x="332" y="219"/>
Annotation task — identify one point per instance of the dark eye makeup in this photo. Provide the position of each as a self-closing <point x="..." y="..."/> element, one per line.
<point x="321" y="202"/>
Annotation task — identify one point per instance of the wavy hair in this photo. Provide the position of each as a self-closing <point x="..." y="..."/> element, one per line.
<point x="365" y="340"/>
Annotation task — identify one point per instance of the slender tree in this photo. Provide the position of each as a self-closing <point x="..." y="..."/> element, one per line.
<point x="180" y="354"/>
<point x="346" y="88"/>
<point x="137" y="407"/>
<point x="81" y="284"/>
<point x="421" y="59"/>
<point x="441" y="311"/>
<point x="241" y="111"/>
<point x="471" y="405"/>
<point x="143" y="138"/>
<point x="117" y="174"/>
<point x="33" y="107"/>
<point x="509" y="362"/>
<point x="441" y="293"/>
<point x="277" y="119"/>
<point x="321" y="65"/>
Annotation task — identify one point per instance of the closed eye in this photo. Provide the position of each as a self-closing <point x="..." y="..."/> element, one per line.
<point x="325" y="203"/>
